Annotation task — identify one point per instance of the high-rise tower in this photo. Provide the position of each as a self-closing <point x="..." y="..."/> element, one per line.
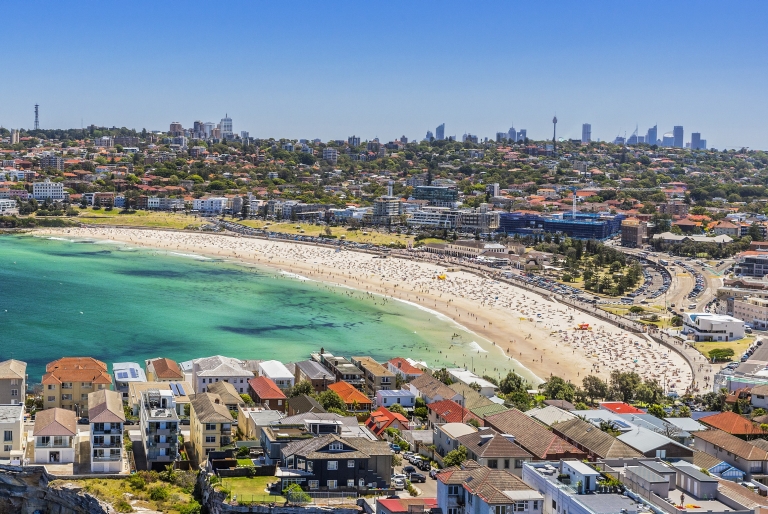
<point x="37" y="119"/>
<point x="678" y="134"/>
<point x="554" y="135"/>
<point x="440" y="132"/>
<point x="586" y="133"/>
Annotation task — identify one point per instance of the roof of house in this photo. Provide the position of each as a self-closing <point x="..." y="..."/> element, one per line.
<point x="704" y="460"/>
<point x="560" y="404"/>
<point x="645" y="440"/>
<point x="13" y="369"/>
<point x="303" y="403"/>
<point x="451" y="412"/>
<point x="620" y="408"/>
<point x="431" y="387"/>
<point x="12" y="413"/>
<point x="166" y="369"/>
<point x="274" y="369"/>
<point x="76" y="369"/>
<point x="597" y="442"/>
<point x="53" y="422"/>
<point x="686" y="424"/>
<point x="105" y="406"/>
<point x="489" y="484"/>
<point x="489" y="443"/>
<point x="549" y="415"/>
<point x="382" y="418"/>
<point x="403" y="505"/>
<point x="314" y="370"/>
<point x="733" y="424"/>
<point x="741" y="495"/>
<point x="487" y="410"/>
<point x="265" y="388"/>
<point x="219" y="366"/>
<point x="372" y="366"/>
<point x="472" y="399"/>
<point x="348" y="393"/>
<point x="226" y="391"/>
<point x="733" y="444"/>
<point x="317" y="448"/>
<point x="405" y="366"/>
<point x="210" y="408"/>
<point x="531" y="435"/>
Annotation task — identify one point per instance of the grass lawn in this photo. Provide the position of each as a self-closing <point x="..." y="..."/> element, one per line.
<point x="308" y="229"/>
<point x="739" y="346"/>
<point x="151" y="219"/>
<point x="246" y="463"/>
<point x="251" y="489"/>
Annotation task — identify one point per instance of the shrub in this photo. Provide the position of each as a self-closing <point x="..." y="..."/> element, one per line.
<point x="158" y="493"/>
<point x="122" y="506"/>
<point x="136" y="481"/>
<point x="190" y="508"/>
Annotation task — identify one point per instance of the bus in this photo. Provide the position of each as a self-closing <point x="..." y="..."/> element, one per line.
<point x="663" y="262"/>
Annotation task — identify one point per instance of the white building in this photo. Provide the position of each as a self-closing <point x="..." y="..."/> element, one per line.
<point x="8" y="207"/>
<point x="210" y="370"/>
<point x="403" y="397"/>
<point x="752" y="310"/>
<point x="55" y="433"/>
<point x="104" y="142"/>
<point x="106" y="416"/>
<point x="48" y="190"/>
<point x="217" y="204"/>
<point x="12" y="429"/>
<point x="712" y="327"/>
<point x="226" y="127"/>
<point x="277" y="372"/>
<point x="125" y="373"/>
<point x="331" y="155"/>
<point x="159" y="427"/>
<point x="467" y="377"/>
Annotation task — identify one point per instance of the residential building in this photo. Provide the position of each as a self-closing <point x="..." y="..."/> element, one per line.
<point x="331" y="155"/>
<point x="211" y="205"/>
<point x="633" y="233"/>
<point x="404" y="368"/>
<point x="674" y="208"/>
<point x="55" y="433"/>
<point x="302" y="404"/>
<point x="726" y="228"/>
<point x="735" y="451"/>
<point x="586" y="133"/>
<point x="402" y="397"/>
<point x="467" y="377"/>
<point x="8" y="207"/>
<point x="277" y="435"/>
<point x="448" y="411"/>
<point x="705" y="326"/>
<point x="52" y="162"/>
<point x="431" y="389"/>
<point x="278" y="373"/>
<point x="126" y="373"/>
<point x="159" y="424"/>
<point x="47" y="190"/>
<point x="228" y="395"/>
<point x="226" y="128"/>
<point x="106" y="417"/>
<point x="314" y="372"/>
<point x="497" y="451"/>
<point x="104" y="142"/>
<point x="210" y="370"/>
<point x="382" y="419"/>
<point x="752" y="310"/>
<point x="405" y="505"/>
<point x="210" y="425"/>
<point x="437" y="196"/>
<point x="68" y="382"/>
<point x="653" y="444"/>
<point x="532" y="436"/>
<point x="13" y="382"/>
<point x="266" y="393"/>
<point x="342" y="369"/>
<point x="475" y="489"/>
<point x="14" y="435"/>
<point x="351" y="396"/>
<point x="377" y="377"/>
<point x="734" y="424"/>
<point x="353" y="141"/>
<point x="180" y="391"/>
<point x="590" y="439"/>
<point x="161" y="369"/>
<point x="387" y="210"/>
<point x="752" y="263"/>
<point x="251" y="420"/>
<point x="332" y="463"/>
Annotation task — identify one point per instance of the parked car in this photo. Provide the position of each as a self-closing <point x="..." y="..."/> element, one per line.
<point x="83" y="421"/>
<point x="398" y="484"/>
<point x="394" y="447"/>
<point x="418" y="477"/>
<point x="409" y="469"/>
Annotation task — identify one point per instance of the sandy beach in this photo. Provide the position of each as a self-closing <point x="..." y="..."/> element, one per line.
<point x="538" y="334"/>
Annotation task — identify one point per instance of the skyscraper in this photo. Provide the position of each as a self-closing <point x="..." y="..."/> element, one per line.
<point x="440" y="132"/>
<point x="696" y="141"/>
<point x="677" y="132"/>
<point x="586" y="133"/>
<point x="522" y="135"/>
<point x="226" y="127"/>
<point x="430" y="136"/>
<point x="512" y="134"/>
<point x="652" y="135"/>
<point x="353" y="141"/>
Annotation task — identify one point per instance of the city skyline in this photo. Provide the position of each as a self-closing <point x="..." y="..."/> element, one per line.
<point x="291" y="76"/>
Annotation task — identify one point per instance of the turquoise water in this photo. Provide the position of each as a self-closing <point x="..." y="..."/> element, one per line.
<point x="117" y="303"/>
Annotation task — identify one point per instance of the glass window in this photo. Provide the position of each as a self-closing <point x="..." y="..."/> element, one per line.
<point x="351" y="482"/>
<point x="333" y="464"/>
<point x="8" y="435"/>
<point x="210" y="439"/>
<point x="493" y="464"/>
<point x="314" y="484"/>
<point x="331" y="484"/>
<point x="350" y="464"/>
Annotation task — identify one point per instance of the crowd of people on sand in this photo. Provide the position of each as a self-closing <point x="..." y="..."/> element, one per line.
<point x="527" y="317"/>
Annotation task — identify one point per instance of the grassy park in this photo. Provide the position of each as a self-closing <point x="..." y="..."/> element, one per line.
<point x="151" y="219"/>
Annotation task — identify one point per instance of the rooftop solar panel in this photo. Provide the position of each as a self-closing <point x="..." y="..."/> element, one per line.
<point x="181" y="390"/>
<point x="134" y="373"/>
<point x="122" y="375"/>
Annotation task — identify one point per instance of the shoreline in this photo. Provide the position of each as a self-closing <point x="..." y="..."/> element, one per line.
<point x="530" y="331"/>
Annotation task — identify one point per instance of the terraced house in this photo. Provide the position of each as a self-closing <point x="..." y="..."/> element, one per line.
<point x="68" y="382"/>
<point x="210" y="425"/>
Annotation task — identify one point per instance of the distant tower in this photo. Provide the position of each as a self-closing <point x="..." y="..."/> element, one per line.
<point x="37" y="120"/>
<point x="554" y="135"/>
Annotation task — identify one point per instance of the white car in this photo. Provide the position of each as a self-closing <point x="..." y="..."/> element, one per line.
<point x="398" y="484"/>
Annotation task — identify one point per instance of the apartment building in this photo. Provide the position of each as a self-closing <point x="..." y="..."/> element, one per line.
<point x="68" y="382"/>
<point x="179" y="390"/>
<point x="342" y="369"/>
<point x="126" y="373"/>
<point x="210" y="425"/>
<point x="48" y="190"/>
<point x="55" y="434"/>
<point x="159" y="428"/>
<point x="8" y="207"/>
<point x="13" y="382"/>
<point x="277" y="373"/>
<point x="228" y="394"/>
<point x="12" y="430"/>
<point x="313" y="372"/>
<point x="210" y="370"/>
<point x="752" y="310"/>
<point x="107" y="417"/>
<point x="377" y="377"/>
<point x="211" y="205"/>
<point x="404" y="368"/>
<point x="161" y="369"/>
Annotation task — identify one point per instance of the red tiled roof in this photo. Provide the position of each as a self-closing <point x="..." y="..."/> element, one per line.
<point x="382" y="418"/>
<point x="405" y="366"/>
<point x="621" y="408"/>
<point x="76" y="369"/>
<point x="733" y="424"/>
<point x="452" y="412"/>
<point x="265" y="388"/>
<point x="349" y="394"/>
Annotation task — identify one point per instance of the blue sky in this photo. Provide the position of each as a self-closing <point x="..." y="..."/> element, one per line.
<point x="333" y="69"/>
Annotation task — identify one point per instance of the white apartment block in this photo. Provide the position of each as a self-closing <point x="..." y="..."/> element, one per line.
<point x="215" y="205"/>
<point x="8" y="207"/>
<point x="12" y="431"/>
<point x="712" y="327"/>
<point x="48" y="190"/>
<point x="219" y="368"/>
<point x="331" y="155"/>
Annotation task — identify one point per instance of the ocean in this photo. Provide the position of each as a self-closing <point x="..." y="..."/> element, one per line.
<point x="119" y="303"/>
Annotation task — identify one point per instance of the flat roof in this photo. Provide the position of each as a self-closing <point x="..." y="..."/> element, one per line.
<point x="11" y="413"/>
<point x="580" y="467"/>
<point x="274" y="369"/>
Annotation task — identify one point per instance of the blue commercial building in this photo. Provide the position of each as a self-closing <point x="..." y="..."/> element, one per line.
<point x="580" y="226"/>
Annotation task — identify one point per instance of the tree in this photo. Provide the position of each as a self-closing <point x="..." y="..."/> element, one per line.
<point x="649" y="392"/>
<point x="455" y="457"/>
<point x="594" y="388"/>
<point x="398" y="409"/>
<point x="657" y="410"/>
<point x="295" y="494"/>
<point x="520" y="400"/>
<point x="720" y="354"/>
<point x="443" y="376"/>
<point x="624" y="384"/>
<point x="512" y="383"/>
<point x="636" y="309"/>
<point x="247" y="399"/>
<point x="303" y="387"/>
<point x="331" y="400"/>
<point x="558" y="389"/>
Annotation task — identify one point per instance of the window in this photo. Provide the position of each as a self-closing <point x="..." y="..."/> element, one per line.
<point x="279" y="402"/>
<point x="310" y="466"/>
<point x="521" y="506"/>
<point x="66" y="397"/>
<point x="361" y="482"/>
<point x="7" y="448"/>
<point x="350" y="464"/>
<point x="453" y="490"/>
<point x="51" y="398"/>
<point x="14" y="392"/>
<point x="336" y="445"/>
<point x="500" y="509"/>
<point x="351" y="482"/>
<point x="98" y="439"/>
<point x="289" y="461"/>
<point x="313" y="484"/>
<point x="210" y="439"/>
<point x="519" y="463"/>
<point x="210" y="426"/>
<point x="506" y="463"/>
<point x="51" y="387"/>
<point x="8" y="435"/>
<point x="493" y="464"/>
<point x="535" y="504"/>
<point x="331" y="484"/>
<point x="453" y="510"/>
<point x="333" y="465"/>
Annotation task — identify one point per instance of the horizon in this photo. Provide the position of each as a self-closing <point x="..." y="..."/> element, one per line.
<point x="307" y="71"/>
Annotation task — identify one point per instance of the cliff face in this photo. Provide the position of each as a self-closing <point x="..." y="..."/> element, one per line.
<point x="25" y="490"/>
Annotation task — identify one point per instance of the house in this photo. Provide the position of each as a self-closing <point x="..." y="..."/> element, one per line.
<point x="446" y="437"/>
<point x="402" y="397"/>
<point x="728" y="448"/>
<point x="405" y="505"/>
<point x="404" y="368"/>
<point x="652" y="444"/>
<point x="475" y="489"/>
<point x="55" y="433"/>
<point x="210" y="425"/>
<point x="619" y="408"/>
<point x="342" y="369"/>
<point x="377" y="377"/>
<point x="549" y="415"/>
<point x="469" y="398"/>
<point x="734" y="424"/>
<point x="161" y="369"/>
<point x="431" y="389"/>
<point x="251" y="420"/>
<point x="468" y="378"/>
<point x="352" y="398"/>
<point x="14" y="436"/>
<point x="125" y="373"/>
<point x="330" y="463"/>
<point x="13" y="382"/>
<point x="228" y="394"/>
<point x="303" y="403"/>
<point x="533" y="437"/>
<point x="382" y="419"/>
<point x="590" y="439"/>
<point x="210" y="370"/>
<point x="448" y="411"/>
<point x="67" y="382"/>
<point x="561" y="404"/>
<point x="179" y="390"/>
<point x="759" y="397"/>
<point x="265" y="392"/>
<point x="106" y="417"/>
<point x="497" y="451"/>
<point x="314" y="372"/>
<point x="278" y="373"/>
<point x="159" y="428"/>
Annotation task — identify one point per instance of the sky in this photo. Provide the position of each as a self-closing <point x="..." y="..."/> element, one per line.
<point x="329" y="70"/>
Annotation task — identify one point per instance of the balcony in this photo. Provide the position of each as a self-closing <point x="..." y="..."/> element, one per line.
<point x="53" y="445"/>
<point x="107" y="444"/>
<point x="110" y="431"/>
<point x="106" y="458"/>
